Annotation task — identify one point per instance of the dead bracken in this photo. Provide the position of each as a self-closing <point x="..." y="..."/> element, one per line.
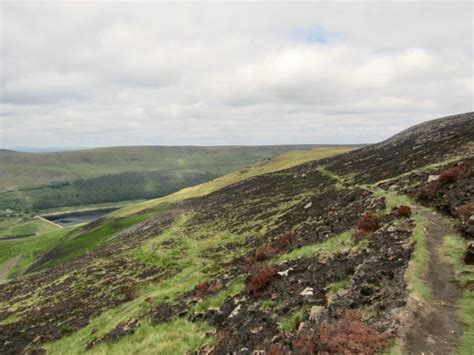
<point x="260" y="279"/>
<point x="351" y="335"/>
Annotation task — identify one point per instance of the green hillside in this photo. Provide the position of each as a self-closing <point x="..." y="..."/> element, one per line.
<point x="24" y="170"/>
<point x="39" y="181"/>
<point x="75" y="241"/>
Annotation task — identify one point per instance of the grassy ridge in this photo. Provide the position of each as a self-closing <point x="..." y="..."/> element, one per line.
<point x="284" y="161"/>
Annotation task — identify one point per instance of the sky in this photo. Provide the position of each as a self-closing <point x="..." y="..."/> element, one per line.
<point x="90" y="74"/>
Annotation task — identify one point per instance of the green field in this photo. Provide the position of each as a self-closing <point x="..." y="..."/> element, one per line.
<point x="24" y="226"/>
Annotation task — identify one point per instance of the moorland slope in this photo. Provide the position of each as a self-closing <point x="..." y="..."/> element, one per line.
<point x="335" y="255"/>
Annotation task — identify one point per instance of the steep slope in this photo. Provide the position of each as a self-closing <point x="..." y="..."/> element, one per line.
<point x="318" y="257"/>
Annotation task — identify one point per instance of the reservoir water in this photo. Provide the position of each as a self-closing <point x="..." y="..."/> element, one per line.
<point x="73" y="218"/>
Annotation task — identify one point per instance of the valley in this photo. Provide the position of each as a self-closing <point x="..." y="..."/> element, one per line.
<point x="314" y="252"/>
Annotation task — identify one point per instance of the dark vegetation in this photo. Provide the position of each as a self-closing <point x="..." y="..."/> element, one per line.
<point x="108" y="188"/>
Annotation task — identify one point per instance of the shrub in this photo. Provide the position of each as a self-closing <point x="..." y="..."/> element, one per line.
<point x="368" y="222"/>
<point x="264" y="252"/>
<point x="130" y="292"/>
<point x="260" y="279"/>
<point x="275" y="349"/>
<point x="285" y="240"/>
<point x="350" y="335"/>
<point x="450" y="175"/>
<point x="305" y="344"/>
<point x="428" y="191"/>
<point x="361" y="234"/>
<point x="464" y="212"/>
<point x="206" y="288"/>
<point x="402" y="211"/>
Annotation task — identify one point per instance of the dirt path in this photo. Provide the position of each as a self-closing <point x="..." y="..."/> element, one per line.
<point x="436" y="330"/>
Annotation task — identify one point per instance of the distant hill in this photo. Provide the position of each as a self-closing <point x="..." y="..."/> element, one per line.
<point x="36" y="181"/>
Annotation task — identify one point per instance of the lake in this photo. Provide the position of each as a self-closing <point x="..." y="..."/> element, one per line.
<point x="73" y="218"/>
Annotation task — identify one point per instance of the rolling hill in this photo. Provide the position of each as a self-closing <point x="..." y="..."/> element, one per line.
<point x="361" y="252"/>
<point x="39" y="181"/>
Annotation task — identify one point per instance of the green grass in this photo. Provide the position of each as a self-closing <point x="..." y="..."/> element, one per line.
<point x="14" y="226"/>
<point x="453" y="250"/>
<point x="77" y="244"/>
<point x="29" y="248"/>
<point x="269" y="304"/>
<point x="467" y="314"/>
<point x="284" y="161"/>
<point x="419" y="263"/>
<point x="338" y="285"/>
<point x="337" y="244"/>
<point x="176" y="337"/>
<point x="291" y="322"/>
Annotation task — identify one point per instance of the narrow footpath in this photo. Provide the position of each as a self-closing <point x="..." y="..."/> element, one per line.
<point x="436" y="330"/>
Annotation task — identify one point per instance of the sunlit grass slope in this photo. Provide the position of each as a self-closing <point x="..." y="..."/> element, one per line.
<point x="281" y="162"/>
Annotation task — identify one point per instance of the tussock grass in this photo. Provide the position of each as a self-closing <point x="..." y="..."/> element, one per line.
<point x="419" y="263"/>
<point x="291" y="322"/>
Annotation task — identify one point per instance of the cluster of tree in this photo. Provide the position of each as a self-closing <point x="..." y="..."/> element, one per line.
<point x="107" y="188"/>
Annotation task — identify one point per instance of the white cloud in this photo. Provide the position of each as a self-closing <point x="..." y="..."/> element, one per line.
<point x="153" y="73"/>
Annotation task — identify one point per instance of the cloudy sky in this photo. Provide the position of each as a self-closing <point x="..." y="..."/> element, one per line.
<point x="88" y="74"/>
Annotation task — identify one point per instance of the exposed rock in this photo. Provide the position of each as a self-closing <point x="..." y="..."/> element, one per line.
<point x="308" y="291"/>
<point x="284" y="273"/>
<point x="315" y="313"/>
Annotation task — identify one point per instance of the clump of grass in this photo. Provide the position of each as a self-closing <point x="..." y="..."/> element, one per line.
<point x="419" y="263"/>
<point x="292" y="322"/>
<point x="269" y="304"/>
<point x="338" y="244"/>
<point x="336" y="286"/>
